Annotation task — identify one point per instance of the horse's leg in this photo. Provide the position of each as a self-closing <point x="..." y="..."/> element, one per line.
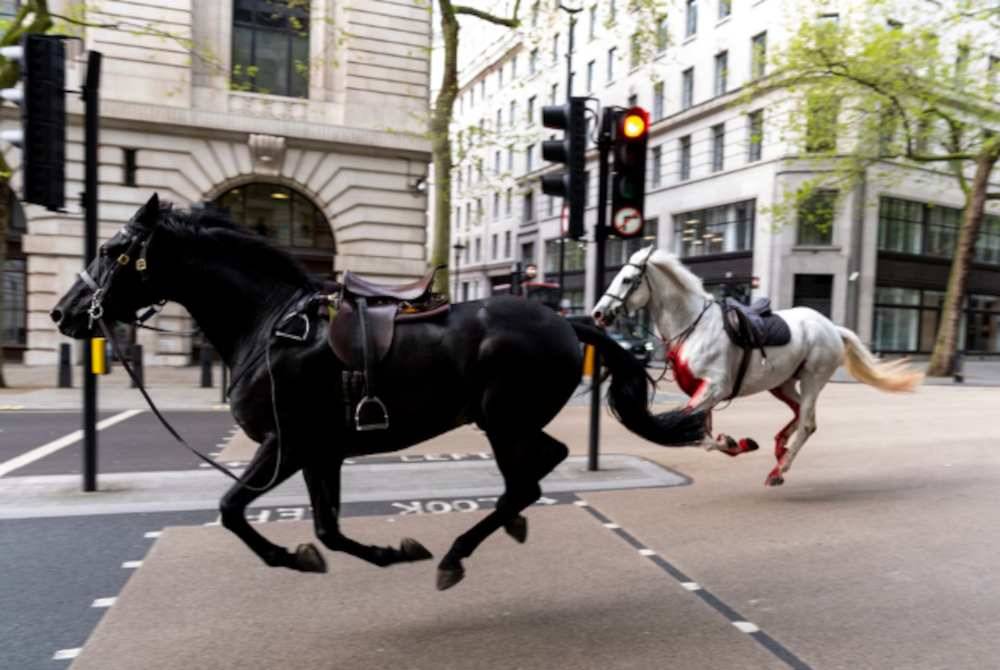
<point x="266" y="470"/>
<point x="523" y="462"/>
<point x="788" y="394"/>
<point x="812" y="383"/>
<point x="323" y="482"/>
<point x="707" y="396"/>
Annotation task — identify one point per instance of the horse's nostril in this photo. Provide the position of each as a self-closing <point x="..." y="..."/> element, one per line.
<point x="56" y="315"/>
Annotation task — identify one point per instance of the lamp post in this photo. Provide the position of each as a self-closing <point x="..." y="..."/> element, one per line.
<point x="459" y="248"/>
<point x="572" y="11"/>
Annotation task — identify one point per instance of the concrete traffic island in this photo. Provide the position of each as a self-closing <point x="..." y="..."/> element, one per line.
<point x="574" y="596"/>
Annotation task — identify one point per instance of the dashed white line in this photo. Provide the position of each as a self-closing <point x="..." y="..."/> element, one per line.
<point x="66" y="654"/>
<point x="647" y="552"/>
<point x="204" y="465"/>
<point x="612" y="526"/>
<point x="691" y="586"/>
<point x="61" y="443"/>
<point x="104" y="602"/>
<point x="153" y="533"/>
<point x="745" y="626"/>
<point x="131" y="565"/>
<point x="581" y="503"/>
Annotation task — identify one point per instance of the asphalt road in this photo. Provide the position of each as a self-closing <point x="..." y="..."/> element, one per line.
<point x="878" y="552"/>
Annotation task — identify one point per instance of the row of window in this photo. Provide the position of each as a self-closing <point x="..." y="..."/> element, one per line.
<point x="471" y="251"/>
<point x="924" y="229"/>
<point x="907" y="320"/>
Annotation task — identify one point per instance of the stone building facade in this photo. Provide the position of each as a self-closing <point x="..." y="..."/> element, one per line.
<point x="716" y="167"/>
<point x="306" y="121"/>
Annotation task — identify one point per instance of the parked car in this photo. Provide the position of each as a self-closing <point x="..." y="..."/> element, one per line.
<point x="640" y="347"/>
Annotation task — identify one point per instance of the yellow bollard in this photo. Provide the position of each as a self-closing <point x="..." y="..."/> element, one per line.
<point x="98" y="356"/>
<point x="588" y="361"/>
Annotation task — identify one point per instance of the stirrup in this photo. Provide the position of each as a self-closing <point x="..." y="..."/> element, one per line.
<point x="374" y="425"/>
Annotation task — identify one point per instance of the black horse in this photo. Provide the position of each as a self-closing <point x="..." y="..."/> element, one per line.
<point x="506" y="364"/>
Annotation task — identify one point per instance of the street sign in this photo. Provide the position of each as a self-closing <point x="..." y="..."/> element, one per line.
<point x="627" y="222"/>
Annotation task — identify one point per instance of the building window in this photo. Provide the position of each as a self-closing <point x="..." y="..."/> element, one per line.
<point x="529" y="154"/>
<point x="721" y="72"/>
<point x="496" y="205"/>
<point x="494" y="245"/>
<point x="528" y="208"/>
<point x="907" y="321"/>
<point x="479" y="250"/>
<point x="531" y="110"/>
<point x="499" y="120"/>
<point x="287" y="219"/>
<point x="815" y="218"/>
<point x="506" y="244"/>
<point x="932" y="230"/>
<point x="633" y="99"/>
<point x="687" y="88"/>
<point x="555" y="49"/>
<point x="662" y="36"/>
<point x="821" y="123"/>
<point x="496" y="162"/>
<point x="684" y="152"/>
<point x="619" y="250"/>
<point x="510" y="159"/>
<point x="128" y="167"/>
<point x="611" y="64"/>
<point x="271" y="47"/>
<point x="658" y="101"/>
<point x="534" y="13"/>
<point x="591" y="66"/>
<point x="512" y="114"/>
<point x="533" y="61"/>
<point x="725" y="8"/>
<point x="657" y="173"/>
<point x="716" y="230"/>
<point x="758" y="55"/>
<point x="592" y="25"/>
<point x="575" y="259"/>
<point x="988" y="244"/>
<point x="755" y="141"/>
<point x="612" y="11"/>
<point x="718" y="147"/>
<point x="513" y="67"/>
<point x="553" y="94"/>
<point x="690" y="18"/>
<point x="550" y="205"/>
<point x="13" y="281"/>
<point x="635" y="51"/>
<point x="509" y="202"/>
<point x="528" y="253"/>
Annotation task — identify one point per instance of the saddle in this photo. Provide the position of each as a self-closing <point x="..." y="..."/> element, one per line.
<point x="753" y="327"/>
<point x="363" y="318"/>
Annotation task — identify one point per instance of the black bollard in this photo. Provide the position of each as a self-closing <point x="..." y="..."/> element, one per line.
<point x="206" y="366"/>
<point x="135" y="359"/>
<point x="65" y="367"/>
<point x="957" y="374"/>
<point x="223" y="383"/>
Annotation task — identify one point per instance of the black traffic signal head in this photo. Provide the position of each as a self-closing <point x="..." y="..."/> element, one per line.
<point x="570" y="183"/>
<point x="628" y="193"/>
<point x="42" y="140"/>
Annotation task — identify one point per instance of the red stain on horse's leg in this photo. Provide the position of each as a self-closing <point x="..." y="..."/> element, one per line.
<point x="782" y="437"/>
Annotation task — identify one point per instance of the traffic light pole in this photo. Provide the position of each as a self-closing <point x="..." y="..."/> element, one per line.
<point x="90" y="96"/>
<point x="600" y="237"/>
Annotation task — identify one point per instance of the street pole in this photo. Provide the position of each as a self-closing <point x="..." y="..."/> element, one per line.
<point x="90" y="96"/>
<point x="459" y="248"/>
<point x="600" y="236"/>
<point x="569" y="94"/>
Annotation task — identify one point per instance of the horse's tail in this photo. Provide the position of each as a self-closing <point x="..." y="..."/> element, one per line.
<point x="884" y="375"/>
<point x="630" y="392"/>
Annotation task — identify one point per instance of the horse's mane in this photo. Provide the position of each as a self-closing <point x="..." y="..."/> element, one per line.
<point x="671" y="265"/>
<point x="216" y="225"/>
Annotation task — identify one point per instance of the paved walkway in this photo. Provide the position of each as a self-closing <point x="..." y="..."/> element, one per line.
<point x="179" y="388"/>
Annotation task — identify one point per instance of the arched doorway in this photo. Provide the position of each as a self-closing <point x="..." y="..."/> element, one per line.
<point x="14" y="310"/>
<point x="285" y="217"/>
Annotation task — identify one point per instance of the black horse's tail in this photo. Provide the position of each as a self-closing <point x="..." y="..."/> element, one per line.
<point x="630" y="393"/>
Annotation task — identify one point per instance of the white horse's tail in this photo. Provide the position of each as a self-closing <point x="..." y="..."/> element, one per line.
<point x="884" y="375"/>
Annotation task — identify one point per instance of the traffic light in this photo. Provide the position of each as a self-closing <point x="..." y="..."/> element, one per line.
<point x="628" y="184"/>
<point x="42" y="98"/>
<point x="570" y="183"/>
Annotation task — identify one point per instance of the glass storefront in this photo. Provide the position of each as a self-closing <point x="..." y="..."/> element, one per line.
<point x="932" y="230"/>
<point x="907" y="319"/>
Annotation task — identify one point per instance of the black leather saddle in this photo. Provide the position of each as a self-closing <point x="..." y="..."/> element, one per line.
<point x="754" y="326"/>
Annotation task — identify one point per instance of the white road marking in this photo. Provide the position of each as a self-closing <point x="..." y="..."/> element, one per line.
<point x="745" y="626"/>
<point x="691" y="586"/>
<point x="52" y="447"/>
<point x="647" y="552"/>
<point x="581" y="503"/>
<point x="104" y="602"/>
<point x="10" y="408"/>
<point x="153" y="533"/>
<point x="612" y="526"/>
<point x="204" y="465"/>
<point x="66" y="654"/>
<point x="131" y="565"/>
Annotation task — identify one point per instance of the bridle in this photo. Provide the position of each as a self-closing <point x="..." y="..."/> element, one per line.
<point x="96" y="314"/>
<point x="634" y="282"/>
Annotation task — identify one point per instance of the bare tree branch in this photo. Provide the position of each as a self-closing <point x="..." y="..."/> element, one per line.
<point x="512" y="22"/>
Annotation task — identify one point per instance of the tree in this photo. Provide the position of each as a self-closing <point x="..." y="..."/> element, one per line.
<point x="868" y="95"/>
<point x="440" y="127"/>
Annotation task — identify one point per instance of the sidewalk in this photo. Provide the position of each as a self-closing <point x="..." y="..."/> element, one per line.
<point x="33" y="388"/>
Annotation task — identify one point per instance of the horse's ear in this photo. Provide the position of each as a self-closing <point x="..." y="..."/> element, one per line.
<point x="149" y="214"/>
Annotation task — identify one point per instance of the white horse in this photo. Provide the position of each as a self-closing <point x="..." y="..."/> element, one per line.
<point x="706" y="364"/>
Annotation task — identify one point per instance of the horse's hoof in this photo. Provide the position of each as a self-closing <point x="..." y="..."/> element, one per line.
<point x="411" y="550"/>
<point x="448" y="577"/>
<point x="774" y="479"/>
<point x="308" y="559"/>
<point x="518" y="528"/>
<point x="747" y="445"/>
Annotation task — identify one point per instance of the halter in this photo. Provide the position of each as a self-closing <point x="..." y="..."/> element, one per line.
<point x="642" y="268"/>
